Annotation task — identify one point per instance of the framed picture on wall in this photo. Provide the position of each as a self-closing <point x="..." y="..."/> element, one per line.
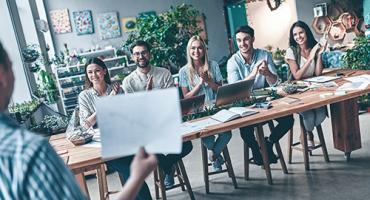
<point x="83" y="22"/>
<point x="108" y="25"/>
<point x="60" y="21"/>
<point x="128" y="24"/>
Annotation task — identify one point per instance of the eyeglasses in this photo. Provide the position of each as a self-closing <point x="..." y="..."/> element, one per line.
<point x="143" y="53"/>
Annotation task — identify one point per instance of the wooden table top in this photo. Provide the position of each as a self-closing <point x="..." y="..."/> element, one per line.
<point x="77" y="157"/>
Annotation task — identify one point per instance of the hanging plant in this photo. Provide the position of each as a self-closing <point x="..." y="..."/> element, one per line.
<point x="30" y="53"/>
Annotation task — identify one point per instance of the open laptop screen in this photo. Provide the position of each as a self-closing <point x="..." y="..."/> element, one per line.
<point x="192" y="104"/>
<point x="230" y="93"/>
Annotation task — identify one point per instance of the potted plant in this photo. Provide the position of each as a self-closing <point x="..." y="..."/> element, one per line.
<point x="278" y="56"/>
<point x="358" y="58"/>
<point x="168" y="33"/>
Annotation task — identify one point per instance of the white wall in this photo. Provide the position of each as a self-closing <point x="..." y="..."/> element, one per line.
<point x="271" y="27"/>
<point x="7" y="37"/>
<point x="213" y="10"/>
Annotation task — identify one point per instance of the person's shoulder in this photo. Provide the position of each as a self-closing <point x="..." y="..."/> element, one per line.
<point x="183" y="69"/>
<point x="19" y="139"/>
<point x="262" y="51"/>
<point x="233" y="60"/>
<point x="213" y="63"/>
<point x="161" y="70"/>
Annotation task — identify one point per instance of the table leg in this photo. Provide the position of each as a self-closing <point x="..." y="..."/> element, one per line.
<point x="346" y="126"/>
<point x="80" y="177"/>
<point x="264" y="153"/>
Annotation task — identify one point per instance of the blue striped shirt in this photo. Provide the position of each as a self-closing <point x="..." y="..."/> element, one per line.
<point x="30" y="168"/>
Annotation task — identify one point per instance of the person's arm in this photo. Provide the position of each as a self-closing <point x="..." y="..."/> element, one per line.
<point x="86" y="115"/>
<point x="299" y="72"/>
<point x="319" y="66"/>
<point x="193" y="92"/>
<point x="211" y="83"/>
<point x="233" y="74"/>
<point x="142" y="165"/>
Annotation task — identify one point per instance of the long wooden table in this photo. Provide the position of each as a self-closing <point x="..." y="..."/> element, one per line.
<point x="345" y="127"/>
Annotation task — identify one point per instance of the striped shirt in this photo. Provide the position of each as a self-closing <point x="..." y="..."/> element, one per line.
<point x="30" y="168"/>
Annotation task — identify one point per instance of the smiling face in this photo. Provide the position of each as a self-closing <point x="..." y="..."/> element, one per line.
<point x="197" y="51"/>
<point x="299" y="35"/>
<point x="244" y="42"/>
<point x="95" y="73"/>
<point x="141" y="56"/>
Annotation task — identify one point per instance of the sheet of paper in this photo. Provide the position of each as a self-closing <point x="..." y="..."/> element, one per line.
<point x="321" y="79"/>
<point x="188" y="127"/>
<point x="362" y="78"/>
<point x="149" y="119"/>
<point x="353" y="86"/>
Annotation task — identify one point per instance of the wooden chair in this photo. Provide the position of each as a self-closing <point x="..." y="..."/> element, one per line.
<point x="182" y="178"/>
<point x="304" y="148"/>
<point x="229" y="167"/>
<point x="264" y="153"/>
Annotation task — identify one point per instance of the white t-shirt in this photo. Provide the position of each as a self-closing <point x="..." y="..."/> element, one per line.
<point x="310" y="70"/>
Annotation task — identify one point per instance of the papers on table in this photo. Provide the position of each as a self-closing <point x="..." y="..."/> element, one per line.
<point x="355" y="83"/>
<point x="149" y="119"/>
<point x="321" y="79"/>
<point x="188" y="127"/>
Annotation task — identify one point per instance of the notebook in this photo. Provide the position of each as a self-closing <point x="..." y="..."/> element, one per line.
<point x="232" y="113"/>
<point x="230" y="93"/>
<point x="192" y="104"/>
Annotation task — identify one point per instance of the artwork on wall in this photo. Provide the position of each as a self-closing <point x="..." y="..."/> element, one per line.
<point x="128" y="24"/>
<point x="108" y="25"/>
<point x="83" y="22"/>
<point x="60" y="21"/>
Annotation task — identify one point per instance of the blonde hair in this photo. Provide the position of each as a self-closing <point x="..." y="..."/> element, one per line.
<point x="190" y="64"/>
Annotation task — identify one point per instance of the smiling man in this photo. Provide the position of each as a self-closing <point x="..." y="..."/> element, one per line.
<point x="145" y="77"/>
<point x="249" y="63"/>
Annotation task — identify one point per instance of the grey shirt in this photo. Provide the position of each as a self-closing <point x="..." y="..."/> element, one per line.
<point x="137" y="80"/>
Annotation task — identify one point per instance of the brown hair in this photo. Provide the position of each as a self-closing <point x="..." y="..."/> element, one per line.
<point x="101" y="63"/>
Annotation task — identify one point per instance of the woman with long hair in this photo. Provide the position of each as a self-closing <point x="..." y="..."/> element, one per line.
<point x="202" y="76"/>
<point x="97" y="84"/>
<point x="304" y="60"/>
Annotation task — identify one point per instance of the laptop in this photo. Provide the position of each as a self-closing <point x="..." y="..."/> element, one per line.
<point x="230" y="93"/>
<point x="192" y="104"/>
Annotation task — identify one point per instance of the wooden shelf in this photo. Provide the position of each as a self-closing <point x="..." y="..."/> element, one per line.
<point x="337" y="31"/>
<point x="321" y="24"/>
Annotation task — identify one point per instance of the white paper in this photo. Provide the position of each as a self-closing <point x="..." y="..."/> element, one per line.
<point x="362" y="78"/>
<point x="188" y="127"/>
<point x="150" y="119"/>
<point x="321" y="79"/>
<point x="353" y="86"/>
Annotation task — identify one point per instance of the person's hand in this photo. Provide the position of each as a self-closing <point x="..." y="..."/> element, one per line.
<point x="263" y="69"/>
<point x="115" y="89"/>
<point x="313" y="51"/>
<point x="142" y="164"/>
<point x="204" y="76"/>
<point x="323" y="48"/>
<point x="256" y="68"/>
<point x="149" y="83"/>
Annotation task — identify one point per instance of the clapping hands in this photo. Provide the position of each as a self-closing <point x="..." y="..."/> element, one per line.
<point x="115" y="89"/>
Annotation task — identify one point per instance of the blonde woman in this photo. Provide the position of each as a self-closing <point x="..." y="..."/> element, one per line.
<point x="304" y="60"/>
<point x="202" y="76"/>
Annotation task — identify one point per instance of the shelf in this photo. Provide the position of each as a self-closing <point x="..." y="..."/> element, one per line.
<point x="114" y="58"/>
<point x="98" y="53"/>
<point x="337" y="31"/>
<point x="69" y="77"/>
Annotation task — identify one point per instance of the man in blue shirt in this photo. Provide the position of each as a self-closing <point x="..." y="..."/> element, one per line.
<point x="249" y="63"/>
